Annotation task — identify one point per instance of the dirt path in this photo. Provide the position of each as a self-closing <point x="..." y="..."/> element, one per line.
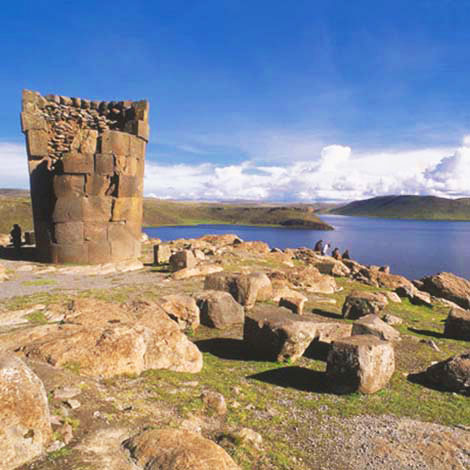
<point x="28" y="278"/>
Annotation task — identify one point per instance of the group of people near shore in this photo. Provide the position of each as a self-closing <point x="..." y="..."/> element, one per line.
<point x="324" y="247"/>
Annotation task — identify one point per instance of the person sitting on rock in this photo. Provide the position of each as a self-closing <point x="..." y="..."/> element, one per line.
<point x="336" y="254"/>
<point x="346" y="255"/>
<point x="325" y="249"/>
<point x="318" y="246"/>
<point x="15" y="235"/>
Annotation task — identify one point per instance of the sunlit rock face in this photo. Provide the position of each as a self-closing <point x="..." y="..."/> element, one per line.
<point x="86" y="164"/>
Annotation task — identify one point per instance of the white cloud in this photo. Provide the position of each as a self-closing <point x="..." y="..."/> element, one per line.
<point x="335" y="173"/>
<point x="13" y="166"/>
<point x="451" y="176"/>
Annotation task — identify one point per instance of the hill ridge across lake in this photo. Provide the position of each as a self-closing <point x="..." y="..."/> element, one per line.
<point x="408" y="207"/>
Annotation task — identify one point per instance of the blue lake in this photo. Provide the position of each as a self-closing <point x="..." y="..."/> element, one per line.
<point x="414" y="248"/>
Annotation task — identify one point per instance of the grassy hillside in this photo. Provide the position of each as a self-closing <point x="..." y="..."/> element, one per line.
<point x="17" y="210"/>
<point x="409" y="207"/>
<point x="158" y="212"/>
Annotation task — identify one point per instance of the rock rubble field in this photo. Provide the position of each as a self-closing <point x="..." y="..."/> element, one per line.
<point x="216" y="353"/>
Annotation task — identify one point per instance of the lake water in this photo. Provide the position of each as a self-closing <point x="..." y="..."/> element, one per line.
<point x="413" y="248"/>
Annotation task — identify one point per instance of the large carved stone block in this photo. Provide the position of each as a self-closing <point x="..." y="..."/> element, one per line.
<point x="97" y="209"/>
<point x="97" y="185"/>
<point x="139" y="128"/>
<point x="128" y="186"/>
<point x="37" y="141"/>
<point x="126" y="165"/>
<point x="125" y="208"/>
<point x="32" y="121"/>
<point x="75" y="162"/>
<point x="69" y="185"/>
<point x="75" y="253"/>
<point x="68" y="209"/>
<point x="104" y="163"/>
<point x="95" y="231"/>
<point x="86" y="164"/>
<point x="137" y="147"/>
<point x="115" y="142"/>
<point x="69" y="232"/>
<point x="99" y="252"/>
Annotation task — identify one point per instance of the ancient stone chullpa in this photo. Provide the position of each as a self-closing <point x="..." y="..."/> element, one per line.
<point x="86" y="164"/>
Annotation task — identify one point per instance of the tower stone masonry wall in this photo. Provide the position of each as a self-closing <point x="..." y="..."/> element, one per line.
<point x="86" y="165"/>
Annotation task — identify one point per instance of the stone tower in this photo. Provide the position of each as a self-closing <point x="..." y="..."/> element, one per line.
<point x="86" y="164"/>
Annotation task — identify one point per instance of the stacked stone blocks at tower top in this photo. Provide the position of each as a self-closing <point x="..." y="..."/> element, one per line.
<point x="86" y="164"/>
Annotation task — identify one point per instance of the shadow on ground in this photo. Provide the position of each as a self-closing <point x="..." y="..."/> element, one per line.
<point x="433" y="334"/>
<point x="299" y="378"/>
<point x="326" y="313"/>
<point x="420" y="378"/>
<point x="26" y="254"/>
<point x="226" y="348"/>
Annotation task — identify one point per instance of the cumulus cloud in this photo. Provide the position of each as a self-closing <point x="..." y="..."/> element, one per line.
<point x="333" y="173"/>
<point x="451" y="176"/>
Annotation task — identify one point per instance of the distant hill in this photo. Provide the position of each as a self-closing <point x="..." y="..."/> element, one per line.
<point x="408" y="207"/>
<point x="159" y="212"/>
<point x="15" y="208"/>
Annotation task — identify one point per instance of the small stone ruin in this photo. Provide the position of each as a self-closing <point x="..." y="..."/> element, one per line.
<point x="86" y="163"/>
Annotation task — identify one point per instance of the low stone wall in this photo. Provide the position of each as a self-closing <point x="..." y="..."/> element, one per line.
<point x="86" y="165"/>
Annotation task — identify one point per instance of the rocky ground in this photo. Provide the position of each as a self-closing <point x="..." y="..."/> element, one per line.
<point x="118" y="356"/>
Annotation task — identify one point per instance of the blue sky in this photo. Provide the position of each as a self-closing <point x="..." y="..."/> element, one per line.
<point x="256" y="87"/>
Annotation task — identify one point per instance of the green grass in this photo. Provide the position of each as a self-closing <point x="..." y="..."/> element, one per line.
<point x="59" y="454"/>
<point x="158" y="212"/>
<point x="37" y="318"/>
<point x="15" y="209"/>
<point x="40" y="282"/>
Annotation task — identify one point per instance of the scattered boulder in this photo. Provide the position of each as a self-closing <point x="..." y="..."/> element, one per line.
<point x="172" y="449"/>
<point x="214" y="401"/>
<point x="161" y="253"/>
<point x="254" y="247"/>
<point x="361" y="303"/>
<point x="327" y="332"/>
<point x="331" y="266"/>
<point x="219" y="309"/>
<point x="353" y="266"/>
<point x="458" y="324"/>
<point x="295" y="303"/>
<point x="199" y="254"/>
<point x="393" y="297"/>
<point x="246" y="289"/>
<point x="222" y="240"/>
<point x="182" y="259"/>
<point x="104" y="339"/>
<point x="391" y="281"/>
<point x="392" y="319"/>
<point x="202" y="270"/>
<point x="311" y="278"/>
<point x="25" y="426"/>
<point x="276" y="333"/>
<point x="361" y="363"/>
<point x="452" y="374"/>
<point x="415" y="296"/>
<point x="448" y="286"/>
<point x="182" y="309"/>
<point x="373" y="325"/>
<point x="251" y="437"/>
